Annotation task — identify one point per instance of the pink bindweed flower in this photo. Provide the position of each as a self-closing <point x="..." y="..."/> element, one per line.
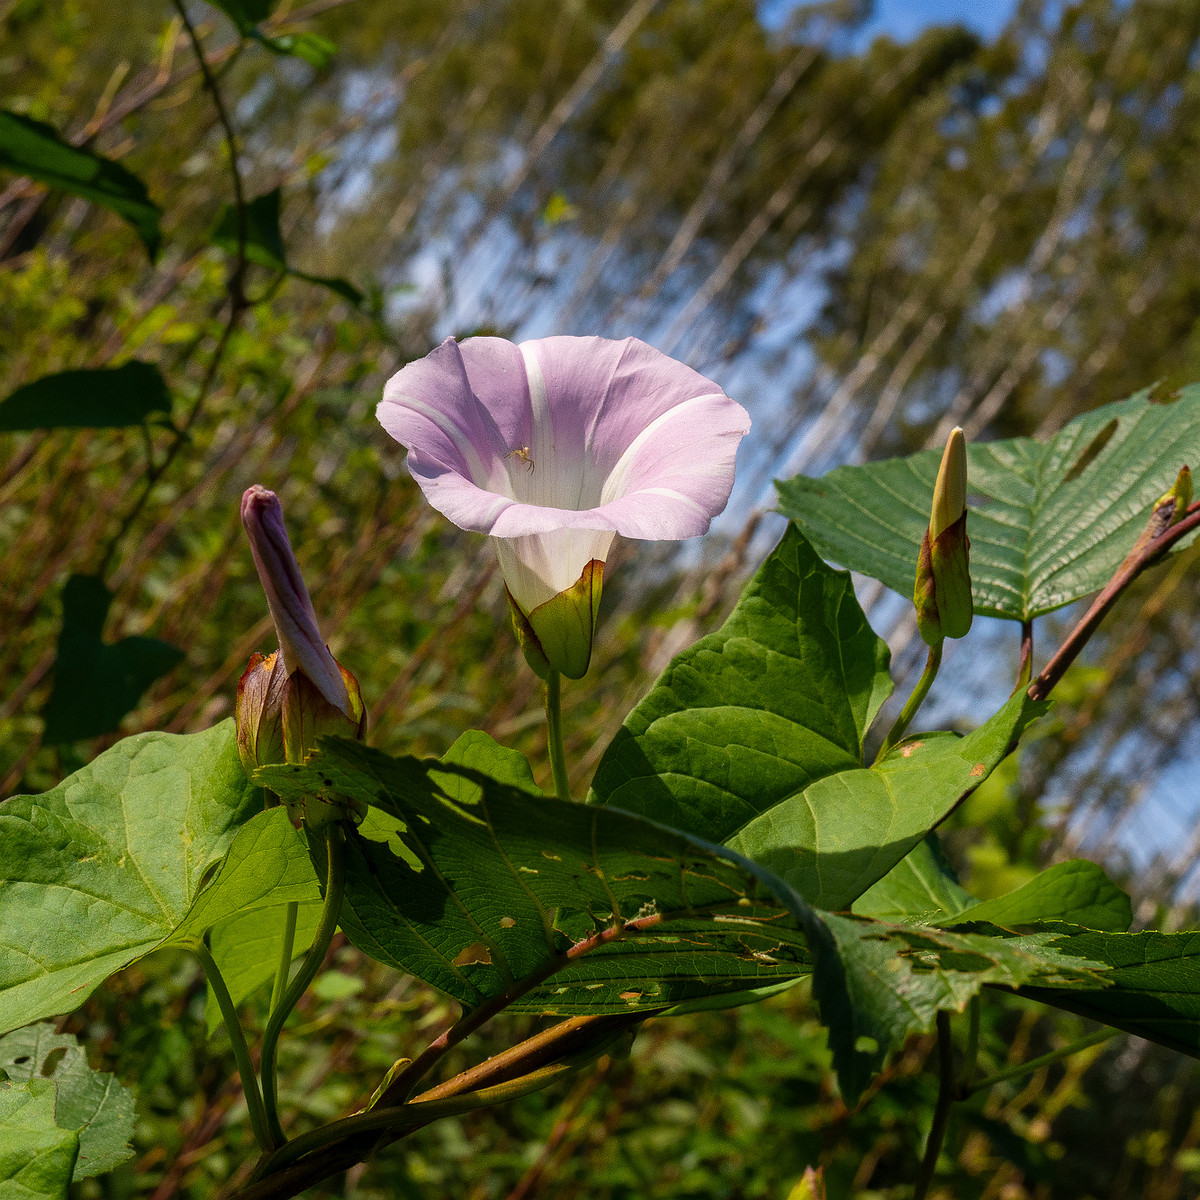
<point x="555" y="446"/>
<point x="286" y="700"/>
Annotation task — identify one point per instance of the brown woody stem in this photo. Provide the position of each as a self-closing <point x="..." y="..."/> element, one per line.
<point x="1126" y="573"/>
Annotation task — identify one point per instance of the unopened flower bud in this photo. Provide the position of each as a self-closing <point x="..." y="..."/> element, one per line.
<point x="289" y="699"/>
<point x="557" y="634"/>
<point x="942" y="594"/>
<point x="1168" y="509"/>
<point x="259" y="712"/>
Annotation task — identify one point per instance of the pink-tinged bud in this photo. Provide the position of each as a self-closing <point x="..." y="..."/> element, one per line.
<point x="259" y="712"/>
<point x="289" y="699"/>
<point x="300" y="640"/>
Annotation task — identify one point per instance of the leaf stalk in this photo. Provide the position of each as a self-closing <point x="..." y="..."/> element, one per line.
<point x="335" y="887"/>
<point x="914" y="701"/>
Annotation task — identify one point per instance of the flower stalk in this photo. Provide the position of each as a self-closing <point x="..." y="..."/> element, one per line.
<point x="554" y="736"/>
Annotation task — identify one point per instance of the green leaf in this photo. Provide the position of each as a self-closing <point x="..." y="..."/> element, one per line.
<point x="479" y="752"/>
<point x="106" y="866"/>
<point x="264" y="242"/>
<point x="460" y="875"/>
<point x="94" y="1105"/>
<point x="895" y="978"/>
<point x="35" y="149"/>
<point x="464" y="893"/>
<point x="753" y="737"/>
<point x="105" y="398"/>
<point x="1049" y="522"/>
<point x="37" y="1158"/>
<point x="97" y="683"/>
<point x="1153" y="984"/>
<point x="778" y="698"/>
<point x="1077" y="892"/>
<point x="246" y="14"/>
<point x="247" y="947"/>
<point x="337" y="285"/>
<point x="266" y="868"/>
<point x="922" y="886"/>
<point x="316" y="50"/>
<point x="834" y="839"/>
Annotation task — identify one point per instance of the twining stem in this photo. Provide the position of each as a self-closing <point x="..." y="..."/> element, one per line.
<point x="565" y="1046"/>
<point x="237" y="303"/>
<point x="237" y="275"/>
<point x="914" y="701"/>
<point x="241" y="1052"/>
<point x="335" y="886"/>
<point x="1036" y="1064"/>
<point x="285" y="956"/>
<point x="941" y="1111"/>
<point x="554" y="736"/>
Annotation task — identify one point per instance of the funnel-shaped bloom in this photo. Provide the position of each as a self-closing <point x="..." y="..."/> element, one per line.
<point x="288" y="699"/>
<point x="555" y="446"/>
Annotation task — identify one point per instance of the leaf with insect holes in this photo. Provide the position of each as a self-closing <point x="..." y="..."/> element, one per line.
<point x="464" y="881"/>
<point x="37" y="1158"/>
<point x="1049" y="522"/>
<point x="92" y="1104"/>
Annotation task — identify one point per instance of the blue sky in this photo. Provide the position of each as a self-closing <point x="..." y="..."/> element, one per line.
<point x="904" y="19"/>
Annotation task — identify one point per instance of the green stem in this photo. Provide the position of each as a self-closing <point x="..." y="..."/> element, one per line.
<point x="285" y="956"/>
<point x="914" y="701"/>
<point x="554" y="736"/>
<point x="335" y="886"/>
<point x="941" y="1112"/>
<point x="408" y="1116"/>
<point x="968" y="1070"/>
<point x="1035" y="1064"/>
<point x="241" y="1052"/>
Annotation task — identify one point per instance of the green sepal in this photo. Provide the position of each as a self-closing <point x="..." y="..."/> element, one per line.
<point x="942" y="594"/>
<point x="557" y="635"/>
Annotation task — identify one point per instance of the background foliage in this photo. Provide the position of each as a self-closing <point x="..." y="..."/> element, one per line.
<point x="863" y="242"/>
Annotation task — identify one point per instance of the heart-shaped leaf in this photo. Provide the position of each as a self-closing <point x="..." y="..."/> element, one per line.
<point x="96" y="683"/>
<point x="107" y="866"/>
<point x="1049" y="522"/>
<point x="753" y="737"/>
<point x="778" y="698"/>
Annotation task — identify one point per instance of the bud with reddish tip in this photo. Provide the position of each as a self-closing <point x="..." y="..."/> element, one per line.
<point x="259" y="712"/>
<point x="943" y="588"/>
<point x="1168" y="509"/>
<point x="289" y="699"/>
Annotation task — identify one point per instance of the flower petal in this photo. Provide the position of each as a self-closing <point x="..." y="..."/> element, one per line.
<point x="430" y="407"/>
<point x="565" y="433"/>
<point x="539" y="566"/>
<point x="300" y="640"/>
